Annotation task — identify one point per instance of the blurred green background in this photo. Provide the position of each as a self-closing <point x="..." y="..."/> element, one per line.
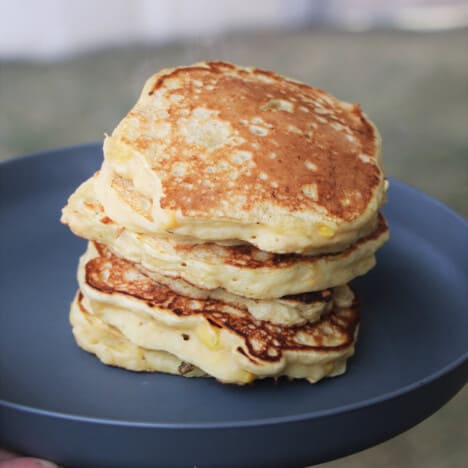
<point x="413" y="84"/>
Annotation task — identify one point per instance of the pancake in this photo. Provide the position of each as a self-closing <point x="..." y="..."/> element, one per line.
<point x="292" y="309"/>
<point x="114" y="349"/>
<point x="215" y="151"/>
<point x="232" y="208"/>
<point x="223" y="341"/>
<point x="242" y="270"/>
<point x="287" y="310"/>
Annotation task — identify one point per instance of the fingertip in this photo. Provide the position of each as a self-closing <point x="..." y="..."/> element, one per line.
<point x="24" y="462"/>
<point x="47" y="464"/>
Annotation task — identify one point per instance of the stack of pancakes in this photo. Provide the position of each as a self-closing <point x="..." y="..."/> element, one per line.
<point x="232" y="208"/>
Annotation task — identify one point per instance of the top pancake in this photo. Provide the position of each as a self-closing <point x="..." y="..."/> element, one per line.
<point x="226" y="152"/>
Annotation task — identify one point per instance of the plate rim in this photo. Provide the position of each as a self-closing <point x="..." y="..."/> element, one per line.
<point x="385" y="397"/>
<point x="309" y="416"/>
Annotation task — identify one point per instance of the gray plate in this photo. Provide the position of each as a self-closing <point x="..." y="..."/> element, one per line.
<point x="60" y="403"/>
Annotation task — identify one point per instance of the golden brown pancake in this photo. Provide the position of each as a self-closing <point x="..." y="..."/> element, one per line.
<point x="216" y="151"/>
<point x="291" y="309"/>
<point x="238" y="269"/>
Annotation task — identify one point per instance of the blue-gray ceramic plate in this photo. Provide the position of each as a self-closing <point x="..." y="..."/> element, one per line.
<point x="60" y="403"/>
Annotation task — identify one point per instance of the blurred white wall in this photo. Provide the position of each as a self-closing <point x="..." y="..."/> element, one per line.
<point x="51" y="29"/>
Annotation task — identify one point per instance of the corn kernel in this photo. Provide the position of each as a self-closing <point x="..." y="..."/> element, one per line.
<point x="118" y="156"/>
<point x="246" y="377"/>
<point x="209" y="336"/>
<point x="171" y="220"/>
<point x="326" y="231"/>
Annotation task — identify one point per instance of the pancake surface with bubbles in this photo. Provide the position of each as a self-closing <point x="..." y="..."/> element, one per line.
<point x="221" y="152"/>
